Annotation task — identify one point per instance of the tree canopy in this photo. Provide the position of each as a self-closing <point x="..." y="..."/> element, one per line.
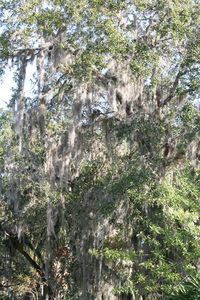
<point x="99" y="163"/>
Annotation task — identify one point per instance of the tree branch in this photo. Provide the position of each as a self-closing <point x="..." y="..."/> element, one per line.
<point x="17" y="245"/>
<point x="173" y="89"/>
<point x="32" y="262"/>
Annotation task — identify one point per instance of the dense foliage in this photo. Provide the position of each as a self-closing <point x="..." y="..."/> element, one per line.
<point x="190" y="289"/>
<point x="99" y="162"/>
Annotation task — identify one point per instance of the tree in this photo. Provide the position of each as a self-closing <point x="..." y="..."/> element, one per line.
<point x="188" y="290"/>
<point x="100" y="170"/>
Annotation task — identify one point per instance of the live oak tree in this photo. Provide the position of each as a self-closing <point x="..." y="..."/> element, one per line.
<point x="100" y="162"/>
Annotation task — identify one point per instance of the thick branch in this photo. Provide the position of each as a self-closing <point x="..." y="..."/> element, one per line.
<point x="32" y="262"/>
<point x="35" y="251"/>
<point x="173" y="89"/>
<point x="17" y="245"/>
<point x="30" y="51"/>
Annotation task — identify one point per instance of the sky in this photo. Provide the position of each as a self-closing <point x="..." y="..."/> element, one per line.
<point x="7" y="83"/>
